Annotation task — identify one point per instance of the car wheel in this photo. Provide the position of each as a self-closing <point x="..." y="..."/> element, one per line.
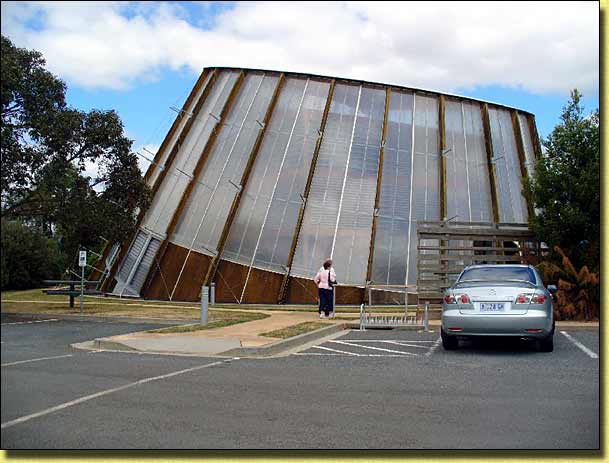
<point x="547" y="344"/>
<point x="449" y="342"/>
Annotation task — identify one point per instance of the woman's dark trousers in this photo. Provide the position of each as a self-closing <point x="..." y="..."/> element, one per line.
<point x="326" y="301"/>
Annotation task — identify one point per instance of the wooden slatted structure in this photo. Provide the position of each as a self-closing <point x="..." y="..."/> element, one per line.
<point x="446" y="248"/>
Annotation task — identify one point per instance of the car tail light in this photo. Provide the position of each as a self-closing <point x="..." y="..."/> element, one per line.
<point x="450" y="299"/>
<point x="464" y="299"/>
<point x="538" y="299"/>
<point x="523" y="299"/>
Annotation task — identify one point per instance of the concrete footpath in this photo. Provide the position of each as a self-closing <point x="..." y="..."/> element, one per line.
<point x="242" y="339"/>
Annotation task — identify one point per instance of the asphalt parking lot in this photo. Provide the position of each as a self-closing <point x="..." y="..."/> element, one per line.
<point x="371" y="389"/>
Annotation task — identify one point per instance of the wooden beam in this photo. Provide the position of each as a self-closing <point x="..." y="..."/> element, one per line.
<point x="183" y="134"/>
<point x="211" y="271"/>
<point x="442" y="136"/>
<point x="442" y="143"/>
<point x="486" y="123"/>
<point x="379" y="179"/>
<point x="155" y="162"/>
<point x="284" y="284"/>
<point x="521" y="155"/>
<point x="195" y="174"/>
<point x="534" y="136"/>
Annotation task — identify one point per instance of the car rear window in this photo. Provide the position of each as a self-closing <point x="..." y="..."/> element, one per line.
<point x="498" y="273"/>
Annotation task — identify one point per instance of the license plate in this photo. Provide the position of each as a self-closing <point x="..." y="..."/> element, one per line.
<point x="487" y="307"/>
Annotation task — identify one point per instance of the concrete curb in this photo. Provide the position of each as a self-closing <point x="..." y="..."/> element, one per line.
<point x="104" y="343"/>
<point x="97" y="318"/>
<point x="285" y="344"/>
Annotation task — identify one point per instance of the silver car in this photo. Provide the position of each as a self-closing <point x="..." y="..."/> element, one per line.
<point x="498" y="300"/>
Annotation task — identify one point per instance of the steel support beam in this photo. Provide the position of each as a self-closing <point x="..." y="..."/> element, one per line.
<point x="183" y="134"/>
<point x="211" y="271"/>
<point x="379" y="180"/>
<point x="284" y="284"/>
<point x="196" y="172"/>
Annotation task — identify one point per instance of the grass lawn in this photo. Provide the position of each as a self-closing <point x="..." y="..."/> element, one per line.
<point x="220" y="319"/>
<point x="35" y="301"/>
<point x="294" y="330"/>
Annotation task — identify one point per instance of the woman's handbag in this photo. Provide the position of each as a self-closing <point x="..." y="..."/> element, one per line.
<point x="330" y="282"/>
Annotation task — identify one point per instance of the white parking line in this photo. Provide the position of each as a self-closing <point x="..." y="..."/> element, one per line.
<point x="80" y="400"/>
<point x="433" y="348"/>
<point x="406" y="344"/>
<point x="344" y="352"/>
<point x="34" y="321"/>
<point x="387" y="340"/>
<point x="34" y="360"/>
<point x="580" y="345"/>
<point x="348" y="353"/>
<point x="352" y="344"/>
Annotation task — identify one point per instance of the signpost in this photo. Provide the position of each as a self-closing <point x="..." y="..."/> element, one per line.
<point x="204" y="304"/>
<point x="82" y="262"/>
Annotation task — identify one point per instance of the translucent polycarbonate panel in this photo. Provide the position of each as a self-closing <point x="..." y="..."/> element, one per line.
<point x="352" y="243"/>
<point x="391" y="241"/>
<point x="425" y="176"/>
<point x="184" y="117"/>
<point x="319" y="221"/>
<point x="170" y="192"/>
<point x="512" y="206"/>
<point x="144" y="266"/>
<point x="207" y="208"/>
<point x="280" y="225"/>
<point x="248" y="221"/>
<point x="477" y="161"/>
<point x="132" y="255"/>
<point x="527" y="142"/>
<point x="278" y="178"/>
<point x="468" y="197"/>
<point x="458" y="203"/>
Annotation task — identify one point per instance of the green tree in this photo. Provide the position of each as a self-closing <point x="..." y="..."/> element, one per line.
<point x="566" y="187"/>
<point x="28" y="256"/>
<point x="47" y="145"/>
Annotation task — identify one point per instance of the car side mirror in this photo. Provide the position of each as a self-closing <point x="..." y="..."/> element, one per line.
<point x="552" y="289"/>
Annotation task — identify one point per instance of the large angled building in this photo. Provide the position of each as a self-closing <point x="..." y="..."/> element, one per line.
<point x="265" y="174"/>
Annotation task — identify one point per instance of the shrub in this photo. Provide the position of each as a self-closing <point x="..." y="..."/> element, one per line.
<point x="578" y="292"/>
<point x="28" y="257"/>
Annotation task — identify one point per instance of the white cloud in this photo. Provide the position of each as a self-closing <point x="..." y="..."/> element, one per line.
<point x="539" y="47"/>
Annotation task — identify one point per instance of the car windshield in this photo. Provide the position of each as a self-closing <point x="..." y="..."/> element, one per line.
<point x="503" y="273"/>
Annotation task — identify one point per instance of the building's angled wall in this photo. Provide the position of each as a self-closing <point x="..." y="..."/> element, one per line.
<point x="266" y="174"/>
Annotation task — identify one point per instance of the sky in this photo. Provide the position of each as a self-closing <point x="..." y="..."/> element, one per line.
<point x="142" y="58"/>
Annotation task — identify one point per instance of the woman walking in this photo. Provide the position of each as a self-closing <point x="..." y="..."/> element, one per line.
<point x="325" y="280"/>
